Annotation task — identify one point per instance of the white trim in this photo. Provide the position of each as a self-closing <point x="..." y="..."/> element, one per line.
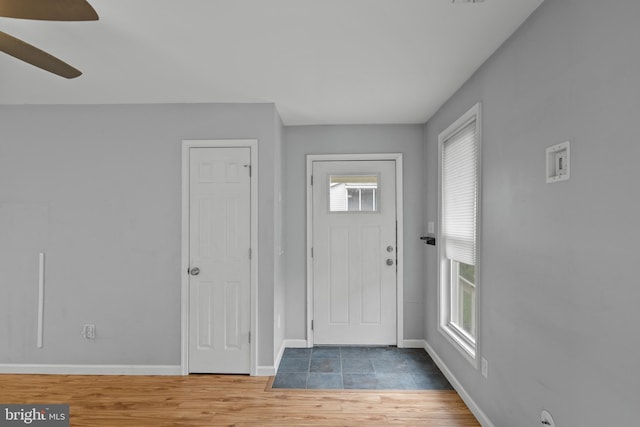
<point x="469" y="353"/>
<point x="55" y="369"/>
<point x="276" y="363"/>
<point x="309" y="224"/>
<point x="414" y="343"/>
<point x="40" y="300"/>
<point x="399" y="251"/>
<point x="397" y="157"/>
<point x="452" y="335"/>
<point x="296" y="344"/>
<point x="265" y="371"/>
<point x="468" y="400"/>
<point x="252" y="144"/>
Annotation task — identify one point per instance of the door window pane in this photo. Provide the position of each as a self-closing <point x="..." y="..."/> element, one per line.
<point x="367" y="199"/>
<point x="353" y="193"/>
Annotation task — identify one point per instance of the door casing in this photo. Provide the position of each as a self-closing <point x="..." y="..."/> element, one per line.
<point x="252" y="144"/>
<point x="397" y="157"/>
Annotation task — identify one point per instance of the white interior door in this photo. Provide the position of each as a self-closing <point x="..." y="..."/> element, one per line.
<point x="219" y="260"/>
<point x="354" y="252"/>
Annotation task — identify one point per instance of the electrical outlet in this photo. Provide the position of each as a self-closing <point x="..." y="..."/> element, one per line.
<point x="546" y="419"/>
<point x="485" y="368"/>
<point x="89" y="331"/>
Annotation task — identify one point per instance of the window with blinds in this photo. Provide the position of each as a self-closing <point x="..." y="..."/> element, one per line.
<point x="459" y="147"/>
<point x="460" y="193"/>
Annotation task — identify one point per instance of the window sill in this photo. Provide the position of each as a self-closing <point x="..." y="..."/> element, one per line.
<point x="459" y="343"/>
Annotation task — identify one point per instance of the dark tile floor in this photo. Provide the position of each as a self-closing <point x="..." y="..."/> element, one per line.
<point x="373" y="368"/>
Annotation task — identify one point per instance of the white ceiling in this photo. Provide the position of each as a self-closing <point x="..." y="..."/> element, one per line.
<point x="319" y="61"/>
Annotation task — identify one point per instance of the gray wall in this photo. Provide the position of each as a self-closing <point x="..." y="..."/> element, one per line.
<point x="98" y="189"/>
<point x="559" y="283"/>
<point x="303" y="140"/>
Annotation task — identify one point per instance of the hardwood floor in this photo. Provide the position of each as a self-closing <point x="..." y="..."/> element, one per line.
<point x="216" y="400"/>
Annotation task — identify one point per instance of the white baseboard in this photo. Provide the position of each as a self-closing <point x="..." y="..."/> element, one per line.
<point x="265" y="371"/>
<point x="471" y="404"/>
<point x="276" y="363"/>
<point x="60" y="369"/>
<point x="414" y="343"/>
<point x="296" y="343"/>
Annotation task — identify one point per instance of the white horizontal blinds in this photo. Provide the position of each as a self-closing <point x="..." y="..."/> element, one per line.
<point x="460" y="190"/>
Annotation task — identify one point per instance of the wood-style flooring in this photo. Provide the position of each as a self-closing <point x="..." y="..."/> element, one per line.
<point x="217" y="400"/>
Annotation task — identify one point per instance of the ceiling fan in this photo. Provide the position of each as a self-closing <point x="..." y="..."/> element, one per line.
<point x="46" y="10"/>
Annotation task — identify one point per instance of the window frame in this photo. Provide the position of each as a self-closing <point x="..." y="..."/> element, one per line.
<point x="455" y="309"/>
<point x="459" y="339"/>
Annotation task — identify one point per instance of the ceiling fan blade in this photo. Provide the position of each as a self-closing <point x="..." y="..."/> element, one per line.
<point x="48" y="10"/>
<point x="34" y="56"/>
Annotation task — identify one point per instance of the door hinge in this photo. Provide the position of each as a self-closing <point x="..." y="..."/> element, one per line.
<point x="250" y="253"/>
<point x="248" y="166"/>
<point x="312" y="325"/>
<point x="311" y="252"/>
<point x="311" y="180"/>
<point x="249" y="336"/>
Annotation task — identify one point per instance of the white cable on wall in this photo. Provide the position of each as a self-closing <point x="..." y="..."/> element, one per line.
<point x="40" y="298"/>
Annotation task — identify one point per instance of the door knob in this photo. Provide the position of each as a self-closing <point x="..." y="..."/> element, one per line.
<point x="194" y="271"/>
<point x="389" y="248"/>
<point x="389" y="261"/>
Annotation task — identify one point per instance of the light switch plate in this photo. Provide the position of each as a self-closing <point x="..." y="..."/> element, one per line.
<point x="558" y="162"/>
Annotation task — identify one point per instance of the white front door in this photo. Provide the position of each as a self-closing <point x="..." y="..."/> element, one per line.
<point x="354" y="252"/>
<point x="219" y="260"/>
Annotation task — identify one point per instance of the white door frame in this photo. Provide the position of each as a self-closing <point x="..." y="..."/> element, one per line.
<point x="252" y="144"/>
<point x="397" y="157"/>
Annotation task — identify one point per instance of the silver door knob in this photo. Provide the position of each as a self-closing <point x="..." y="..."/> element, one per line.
<point x="389" y="261"/>
<point x="194" y="271"/>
